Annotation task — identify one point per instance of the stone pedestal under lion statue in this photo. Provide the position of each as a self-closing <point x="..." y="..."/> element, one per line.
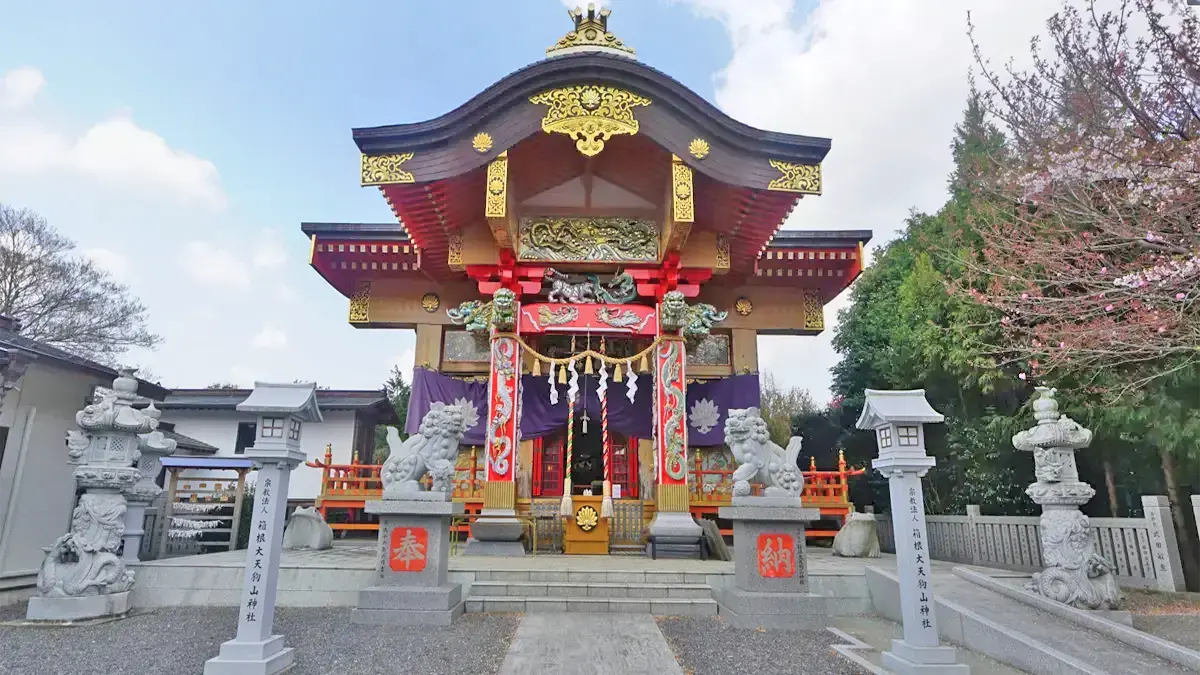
<point x="411" y="584"/>
<point x="770" y="587"/>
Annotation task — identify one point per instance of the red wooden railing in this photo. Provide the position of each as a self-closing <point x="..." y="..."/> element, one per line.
<point x="347" y="487"/>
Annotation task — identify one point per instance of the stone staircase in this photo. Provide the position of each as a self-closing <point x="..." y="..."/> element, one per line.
<point x="633" y="592"/>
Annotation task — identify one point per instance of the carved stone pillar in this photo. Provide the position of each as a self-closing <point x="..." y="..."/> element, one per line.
<point x="82" y="577"/>
<point x="1075" y="572"/>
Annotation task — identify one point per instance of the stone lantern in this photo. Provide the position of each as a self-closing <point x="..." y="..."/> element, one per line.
<point x="153" y="447"/>
<point x="898" y="420"/>
<point x="1075" y="573"/>
<point x="82" y="576"/>
<point x="282" y="411"/>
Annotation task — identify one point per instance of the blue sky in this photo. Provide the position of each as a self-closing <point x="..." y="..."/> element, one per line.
<point x="181" y="144"/>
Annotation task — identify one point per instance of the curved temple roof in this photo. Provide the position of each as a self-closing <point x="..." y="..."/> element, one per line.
<point x="738" y="154"/>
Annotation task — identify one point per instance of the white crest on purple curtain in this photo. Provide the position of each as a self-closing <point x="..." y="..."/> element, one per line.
<point x="704" y="416"/>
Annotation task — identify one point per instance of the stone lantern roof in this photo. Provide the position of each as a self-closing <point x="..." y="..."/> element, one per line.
<point x="896" y="407"/>
<point x="296" y="399"/>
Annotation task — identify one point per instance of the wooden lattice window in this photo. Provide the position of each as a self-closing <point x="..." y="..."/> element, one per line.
<point x="624" y="468"/>
<point x="548" y="464"/>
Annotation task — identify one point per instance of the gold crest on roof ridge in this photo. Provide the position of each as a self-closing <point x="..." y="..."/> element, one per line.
<point x="590" y="34"/>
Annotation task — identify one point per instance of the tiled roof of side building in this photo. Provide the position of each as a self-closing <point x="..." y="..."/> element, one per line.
<point x="327" y="399"/>
<point x="10" y="339"/>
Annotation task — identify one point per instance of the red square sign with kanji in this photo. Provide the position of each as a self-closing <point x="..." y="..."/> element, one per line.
<point x="407" y="549"/>
<point x="776" y="556"/>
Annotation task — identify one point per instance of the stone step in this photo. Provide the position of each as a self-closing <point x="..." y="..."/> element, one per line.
<point x="582" y="589"/>
<point x="589" y="576"/>
<point x="531" y="605"/>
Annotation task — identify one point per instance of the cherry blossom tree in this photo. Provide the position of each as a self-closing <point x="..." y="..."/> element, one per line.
<point x="1091" y="218"/>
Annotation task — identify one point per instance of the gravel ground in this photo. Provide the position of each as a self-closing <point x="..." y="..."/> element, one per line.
<point x="710" y="646"/>
<point x="180" y="640"/>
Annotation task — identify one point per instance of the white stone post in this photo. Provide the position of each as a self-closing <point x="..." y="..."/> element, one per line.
<point x="282" y="409"/>
<point x="898" y="418"/>
<point x="1196" y="514"/>
<point x="1168" y="568"/>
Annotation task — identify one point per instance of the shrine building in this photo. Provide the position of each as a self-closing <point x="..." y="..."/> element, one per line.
<point x="588" y="252"/>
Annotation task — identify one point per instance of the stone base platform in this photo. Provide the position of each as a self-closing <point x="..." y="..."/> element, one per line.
<point x="80" y="608"/>
<point x="334" y="577"/>
<point x="779" y="611"/>
<point x="405" y="606"/>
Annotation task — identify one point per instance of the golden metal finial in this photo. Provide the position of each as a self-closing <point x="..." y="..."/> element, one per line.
<point x="590" y="34"/>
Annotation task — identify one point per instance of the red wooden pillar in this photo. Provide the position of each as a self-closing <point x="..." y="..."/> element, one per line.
<point x="504" y="391"/>
<point x="670" y="438"/>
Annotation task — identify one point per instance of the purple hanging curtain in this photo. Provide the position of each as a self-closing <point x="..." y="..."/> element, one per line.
<point x="430" y="387"/>
<point x="708" y="404"/>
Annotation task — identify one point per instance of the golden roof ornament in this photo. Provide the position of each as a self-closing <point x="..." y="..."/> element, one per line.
<point x="590" y="35"/>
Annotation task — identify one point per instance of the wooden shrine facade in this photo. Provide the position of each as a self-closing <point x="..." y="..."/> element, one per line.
<point x="585" y="227"/>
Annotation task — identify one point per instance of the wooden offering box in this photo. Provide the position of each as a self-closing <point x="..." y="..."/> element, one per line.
<point x="586" y="533"/>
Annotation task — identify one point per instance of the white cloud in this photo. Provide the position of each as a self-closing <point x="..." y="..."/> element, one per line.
<point x="116" y="264"/>
<point x="887" y="81"/>
<point x="214" y="266"/>
<point x="20" y="86"/>
<point x="114" y="152"/>
<point x="406" y="362"/>
<point x="270" y="253"/>
<point x="270" y="337"/>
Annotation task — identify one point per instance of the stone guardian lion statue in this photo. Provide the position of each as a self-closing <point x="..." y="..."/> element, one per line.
<point x="759" y="459"/>
<point x="433" y="450"/>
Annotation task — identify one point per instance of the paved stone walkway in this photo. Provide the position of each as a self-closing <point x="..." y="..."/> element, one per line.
<point x="596" y="644"/>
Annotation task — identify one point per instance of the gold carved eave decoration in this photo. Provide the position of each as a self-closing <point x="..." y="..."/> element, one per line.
<point x="496" y="199"/>
<point x="814" y="311"/>
<point x="723" y="246"/>
<point x="454" y="259"/>
<point x="802" y="178"/>
<point x="580" y="239"/>
<point x="385" y="169"/>
<point x="360" y="303"/>
<point x="589" y="114"/>
<point x="681" y="192"/>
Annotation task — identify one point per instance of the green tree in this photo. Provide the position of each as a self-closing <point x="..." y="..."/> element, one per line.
<point x="778" y="404"/>
<point x="397" y="391"/>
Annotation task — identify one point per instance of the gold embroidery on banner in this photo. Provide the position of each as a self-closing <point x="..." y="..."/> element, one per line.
<point x="814" y="311"/>
<point x="570" y="239"/>
<point x="590" y="114"/>
<point x="360" y="303"/>
<point x="681" y="191"/>
<point x="454" y="251"/>
<point x="722" y="252"/>
<point x="803" y="178"/>
<point x="699" y="148"/>
<point x="482" y="142"/>
<point x="385" y="169"/>
<point x="495" y="205"/>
